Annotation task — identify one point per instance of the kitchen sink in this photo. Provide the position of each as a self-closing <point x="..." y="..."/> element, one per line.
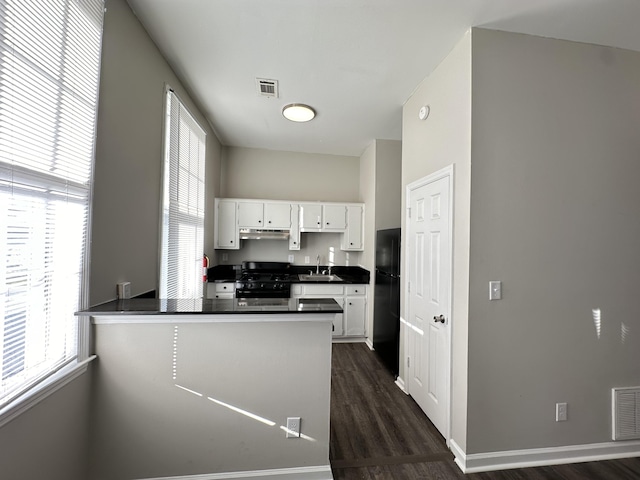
<point x="316" y="277"/>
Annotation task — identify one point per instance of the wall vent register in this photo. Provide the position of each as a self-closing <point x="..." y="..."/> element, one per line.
<point x="626" y="413"/>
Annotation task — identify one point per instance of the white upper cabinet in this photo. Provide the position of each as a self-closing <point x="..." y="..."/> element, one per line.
<point x="353" y="235"/>
<point x="334" y="217"/>
<point x="310" y="217"/>
<point x="264" y="215"/>
<point x="250" y="214"/>
<point x="317" y="217"/>
<point x="294" y="236"/>
<point x="226" y="233"/>
<point x="233" y="214"/>
<point x="277" y="215"/>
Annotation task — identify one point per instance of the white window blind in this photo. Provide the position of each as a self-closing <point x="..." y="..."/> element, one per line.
<point x="182" y="239"/>
<point x="49" y="70"/>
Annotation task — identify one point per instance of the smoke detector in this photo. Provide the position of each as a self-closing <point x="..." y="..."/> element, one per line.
<point x="267" y="87"/>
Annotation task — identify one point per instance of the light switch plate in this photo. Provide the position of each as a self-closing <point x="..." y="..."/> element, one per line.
<point x="495" y="290"/>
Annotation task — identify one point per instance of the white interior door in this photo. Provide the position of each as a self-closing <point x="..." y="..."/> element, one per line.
<point x="429" y="327"/>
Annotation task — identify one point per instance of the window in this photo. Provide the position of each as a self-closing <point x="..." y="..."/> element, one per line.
<point x="49" y="70"/>
<point x="182" y="236"/>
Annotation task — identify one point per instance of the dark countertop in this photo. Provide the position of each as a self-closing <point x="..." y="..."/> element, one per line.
<point x="153" y="306"/>
<point x="349" y="275"/>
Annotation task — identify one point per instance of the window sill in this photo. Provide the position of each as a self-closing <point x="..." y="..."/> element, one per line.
<point x="43" y="390"/>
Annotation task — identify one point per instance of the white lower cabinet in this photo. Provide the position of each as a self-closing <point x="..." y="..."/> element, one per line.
<point x="352" y="299"/>
<point x="355" y="308"/>
<point x="221" y="290"/>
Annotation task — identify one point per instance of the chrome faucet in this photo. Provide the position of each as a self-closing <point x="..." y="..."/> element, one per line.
<point x="318" y="264"/>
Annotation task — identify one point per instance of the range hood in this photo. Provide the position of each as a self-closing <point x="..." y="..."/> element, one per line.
<point x="263" y="234"/>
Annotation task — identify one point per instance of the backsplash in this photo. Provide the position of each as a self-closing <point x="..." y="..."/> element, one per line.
<point x="327" y="245"/>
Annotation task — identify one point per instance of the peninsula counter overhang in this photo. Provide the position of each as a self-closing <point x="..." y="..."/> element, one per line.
<point x="202" y="306"/>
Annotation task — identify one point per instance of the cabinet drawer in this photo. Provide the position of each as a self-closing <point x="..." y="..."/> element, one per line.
<point x="225" y="287"/>
<point x="352" y="290"/>
<point x="221" y="290"/>
<point x="330" y="290"/>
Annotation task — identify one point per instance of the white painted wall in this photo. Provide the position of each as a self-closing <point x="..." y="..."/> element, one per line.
<point x="427" y="146"/>
<point x="279" y="175"/>
<point x="554" y="215"/>
<point x="146" y="427"/>
<point x="126" y="203"/>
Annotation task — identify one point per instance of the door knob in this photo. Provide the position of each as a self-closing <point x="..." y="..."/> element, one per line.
<point x="439" y="318"/>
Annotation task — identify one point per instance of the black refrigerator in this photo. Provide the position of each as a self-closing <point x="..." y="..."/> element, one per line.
<point x="386" y="307"/>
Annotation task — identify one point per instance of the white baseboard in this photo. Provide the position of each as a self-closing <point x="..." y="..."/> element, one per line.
<point x="538" y="457"/>
<point x="322" y="472"/>
<point x="369" y="344"/>
<point x="400" y="384"/>
<point x="348" y="340"/>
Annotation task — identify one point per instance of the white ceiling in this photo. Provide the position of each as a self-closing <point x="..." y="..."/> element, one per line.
<point x="355" y="61"/>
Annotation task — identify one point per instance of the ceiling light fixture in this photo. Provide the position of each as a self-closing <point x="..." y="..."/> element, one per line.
<point x="298" y="112"/>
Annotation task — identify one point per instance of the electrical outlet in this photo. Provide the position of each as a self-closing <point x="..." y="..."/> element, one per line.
<point x="561" y="412"/>
<point x="307" y="259"/>
<point x="124" y="290"/>
<point x="291" y="259"/>
<point x="293" y="427"/>
<point x="225" y="257"/>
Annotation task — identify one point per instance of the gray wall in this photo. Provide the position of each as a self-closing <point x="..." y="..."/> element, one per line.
<point x="388" y="184"/>
<point x="381" y="191"/>
<point x="554" y="215"/>
<point x="126" y="204"/>
<point x="444" y="138"/>
<point x="144" y="426"/>
<point x="51" y="440"/>
<point x="124" y="232"/>
<point x="368" y="197"/>
<point x="279" y="175"/>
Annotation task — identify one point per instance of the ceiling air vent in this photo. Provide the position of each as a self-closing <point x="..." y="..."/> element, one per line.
<point x="267" y="88"/>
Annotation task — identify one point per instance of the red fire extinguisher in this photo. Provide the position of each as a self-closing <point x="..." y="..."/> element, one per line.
<point x="205" y="266"/>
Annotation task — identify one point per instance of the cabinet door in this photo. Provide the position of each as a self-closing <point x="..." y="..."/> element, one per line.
<point x="250" y="214"/>
<point x="310" y="217"/>
<point x="334" y="217"/>
<point x="352" y="239"/>
<point x="277" y="215"/>
<point x="354" y="316"/>
<point x="226" y="228"/>
<point x="294" y="237"/>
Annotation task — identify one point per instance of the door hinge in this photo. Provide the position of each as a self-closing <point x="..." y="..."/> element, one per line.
<point x="409" y="211"/>
<point x="408" y="362"/>
<point x="408" y="287"/>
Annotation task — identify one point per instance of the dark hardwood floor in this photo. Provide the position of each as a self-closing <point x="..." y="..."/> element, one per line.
<point x="378" y="432"/>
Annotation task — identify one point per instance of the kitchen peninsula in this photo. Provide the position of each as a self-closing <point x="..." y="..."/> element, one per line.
<point x="207" y="386"/>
